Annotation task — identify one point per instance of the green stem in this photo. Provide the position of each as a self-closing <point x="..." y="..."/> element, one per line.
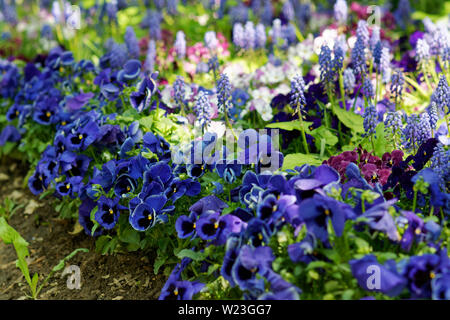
<point x="300" y="117"/>
<point x="414" y="200"/>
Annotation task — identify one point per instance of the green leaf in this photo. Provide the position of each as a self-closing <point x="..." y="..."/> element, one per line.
<point x="349" y="119"/>
<point x="297" y="159"/>
<point x="186" y="253"/>
<point x="316" y="264"/>
<point x="323" y="133"/>
<point x="158" y="263"/>
<point x="146" y="122"/>
<point x="62" y="262"/>
<point x="289" y="125"/>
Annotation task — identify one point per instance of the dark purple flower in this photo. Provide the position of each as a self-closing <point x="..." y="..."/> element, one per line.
<point x="372" y="276"/>
<point x="79" y="101"/>
<point x="316" y="212"/>
<point x="140" y="99"/>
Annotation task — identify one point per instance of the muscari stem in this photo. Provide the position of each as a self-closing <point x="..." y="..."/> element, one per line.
<point x="305" y="144"/>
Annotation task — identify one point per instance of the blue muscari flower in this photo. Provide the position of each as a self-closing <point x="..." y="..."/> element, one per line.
<point x="362" y="32"/>
<point x="250" y="35"/>
<point x="377" y="54"/>
<point x="402" y="14"/>
<point x="203" y="108"/>
<point x="150" y="59"/>
<point x="423" y="50"/>
<point x="260" y="36"/>
<point x="367" y="89"/>
<point x="440" y="163"/>
<point x="385" y="65"/>
<point x="288" y="10"/>
<point x="410" y="133"/>
<point x="433" y="114"/>
<point x="132" y="43"/>
<point x="239" y="13"/>
<point x="397" y="83"/>
<point x="424" y="132"/>
<point x="359" y="56"/>
<point x="374" y="38"/>
<point x="442" y="95"/>
<point x="393" y="122"/>
<point x="154" y="19"/>
<point x="180" y="45"/>
<point x="349" y="80"/>
<point x="211" y="40"/>
<point x="370" y="118"/>
<point x="238" y="35"/>
<point x="223" y="93"/>
<point x="267" y="13"/>
<point x="213" y="64"/>
<point x="149" y="212"/>
<point x="298" y="92"/>
<point x="326" y="65"/>
<point x="179" y="91"/>
<point x="339" y="54"/>
<point x="172" y="7"/>
<point x="140" y="99"/>
<point x="391" y="282"/>
<point x="118" y="55"/>
<point x="340" y="11"/>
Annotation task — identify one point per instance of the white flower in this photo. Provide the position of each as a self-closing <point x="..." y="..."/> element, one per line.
<point x="168" y="97"/>
<point x="217" y="127"/>
<point x="282" y="89"/>
<point x="263" y="109"/>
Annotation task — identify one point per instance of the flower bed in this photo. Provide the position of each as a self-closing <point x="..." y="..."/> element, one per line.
<point x="262" y="156"/>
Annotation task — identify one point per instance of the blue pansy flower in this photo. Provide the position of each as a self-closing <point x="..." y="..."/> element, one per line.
<point x="390" y="282"/>
<point x="140" y="99"/>
<point x="148" y="213"/>
<point x="107" y="213"/>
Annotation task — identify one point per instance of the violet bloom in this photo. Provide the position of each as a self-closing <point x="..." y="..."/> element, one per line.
<point x="79" y="101"/>
<point x="206" y="204"/>
<point x="176" y="289"/>
<point x="140" y="99"/>
<point x="249" y="262"/>
<point x="148" y="213"/>
<point x="380" y="219"/>
<point x="9" y="133"/>
<point x="388" y="281"/>
<point x="414" y="231"/>
<point x="107" y="213"/>
<point x="316" y="212"/>
<point x="421" y="270"/>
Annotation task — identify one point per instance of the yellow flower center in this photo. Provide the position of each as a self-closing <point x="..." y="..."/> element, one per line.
<point x="417" y="231"/>
<point x="432" y="275"/>
<point x="260" y="237"/>
<point x="275" y="208"/>
<point x="327" y="212"/>
<point x="128" y="188"/>
<point x="175" y="292"/>
<point x="111" y="211"/>
<point x="67" y="186"/>
<point x="48" y="114"/>
<point x="80" y="136"/>
<point x="194" y="226"/>
<point x="216" y="225"/>
<point x="63" y="123"/>
<point x="149" y="217"/>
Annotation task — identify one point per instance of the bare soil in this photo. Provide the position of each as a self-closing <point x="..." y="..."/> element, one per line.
<point x="106" y="277"/>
